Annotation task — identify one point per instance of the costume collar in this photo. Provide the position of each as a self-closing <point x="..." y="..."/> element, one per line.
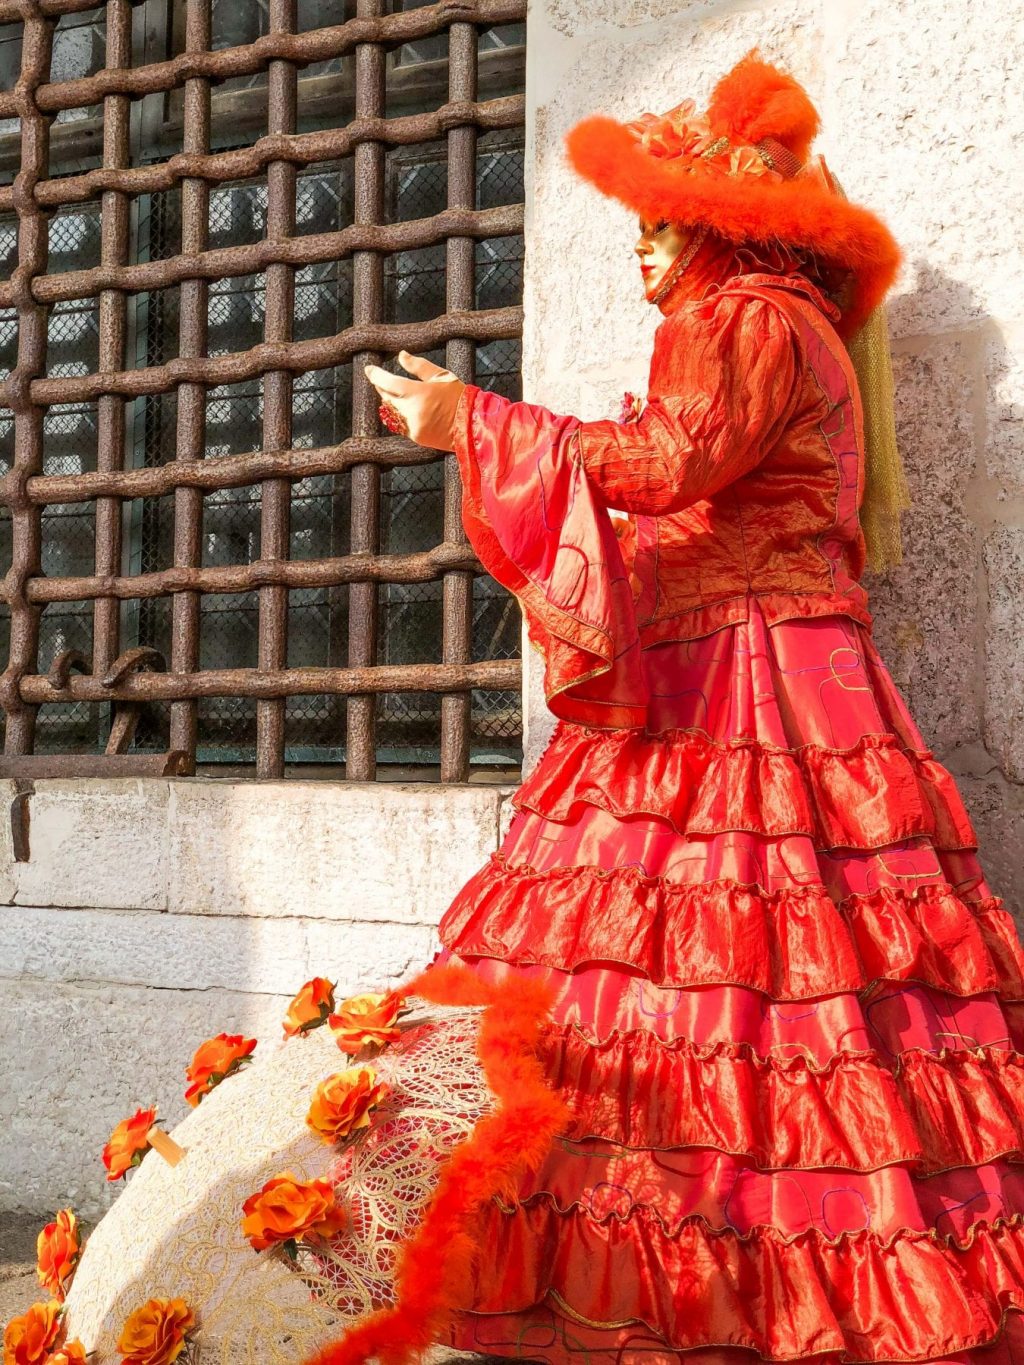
<point x="720" y="264"/>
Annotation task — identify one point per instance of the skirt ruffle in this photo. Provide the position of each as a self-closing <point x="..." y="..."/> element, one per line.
<point x="788" y="1023"/>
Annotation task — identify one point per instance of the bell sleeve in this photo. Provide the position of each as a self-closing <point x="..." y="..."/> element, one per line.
<point x="537" y="488"/>
<point x="540" y="528"/>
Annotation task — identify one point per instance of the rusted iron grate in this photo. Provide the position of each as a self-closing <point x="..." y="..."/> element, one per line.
<point x="135" y="667"/>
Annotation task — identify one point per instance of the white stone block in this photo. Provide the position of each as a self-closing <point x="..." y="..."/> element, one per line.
<point x="926" y="610"/>
<point x="342" y="851"/>
<point x="1004" y="651"/>
<point x="96" y="842"/>
<point x="206" y="952"/>
<point x="1004" y="411"/>
<point x="8" y="874"/>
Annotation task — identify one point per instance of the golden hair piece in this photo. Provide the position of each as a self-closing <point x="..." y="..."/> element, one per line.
<point x="886" y="494"/>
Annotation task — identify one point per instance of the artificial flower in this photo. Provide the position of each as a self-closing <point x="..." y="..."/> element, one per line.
<point x="632" y="407"/>
<point x="680" y="132"/>
<point x="29" y="1337"/>
<point x="155" y="1333"/>
<point x="129" y="1143"/>
<point x="310" y="1007"/>
<point x="58" y="1248"/>
<point x="342" y="1103"/>
<point x="366" y="1021"/>
<point x="70" y="1353"/>
<point x="287" y="1210"/>
<point x="214" y="1060"/>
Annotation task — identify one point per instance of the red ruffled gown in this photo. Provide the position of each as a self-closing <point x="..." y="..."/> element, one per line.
<point x="789" y="1015"/>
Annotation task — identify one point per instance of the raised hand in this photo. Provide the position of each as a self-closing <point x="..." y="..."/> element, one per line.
<point x="424" y="405"/>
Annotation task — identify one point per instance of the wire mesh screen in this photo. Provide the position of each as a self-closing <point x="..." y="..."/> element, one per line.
<point x="212" y="215"/>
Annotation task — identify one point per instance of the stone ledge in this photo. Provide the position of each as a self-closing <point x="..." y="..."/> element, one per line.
<point x="101" y="842"/>
<point x="324" y="850"/>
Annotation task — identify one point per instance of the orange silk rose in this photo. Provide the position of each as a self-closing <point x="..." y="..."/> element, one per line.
<point x="214" y="1060"/>
<point x="155" y="1333"/>
<point x="29" y="1338"/>
<point x="129" y="1142"/>
<point x="58" y="1248"/>
<point x="287" y="1210"/>
<point x="366" y="1021"/>
<point x="342" y="1103"/>
<point x="71" y="1353"/>
<point x="310" y="1007"/>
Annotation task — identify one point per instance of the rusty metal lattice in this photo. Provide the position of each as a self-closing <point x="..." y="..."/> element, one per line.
<point x="124" y="673"/>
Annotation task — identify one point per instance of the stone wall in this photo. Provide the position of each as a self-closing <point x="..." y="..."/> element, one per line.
<point x="152" y="914"/>
<point x="921" y="122"/>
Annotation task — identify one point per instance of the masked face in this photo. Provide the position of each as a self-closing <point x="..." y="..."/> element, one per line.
<point x="658" y="248"/>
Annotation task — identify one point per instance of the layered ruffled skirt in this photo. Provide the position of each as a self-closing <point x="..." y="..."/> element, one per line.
<point x="788" y="1024"/>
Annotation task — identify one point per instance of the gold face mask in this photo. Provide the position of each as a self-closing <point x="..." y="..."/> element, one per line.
<point x="665" y="250"/>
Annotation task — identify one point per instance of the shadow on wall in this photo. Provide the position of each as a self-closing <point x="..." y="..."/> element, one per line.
<point x="944" y="619"/>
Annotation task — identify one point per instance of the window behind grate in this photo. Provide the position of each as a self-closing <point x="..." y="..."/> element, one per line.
<point x="194" y="593"/>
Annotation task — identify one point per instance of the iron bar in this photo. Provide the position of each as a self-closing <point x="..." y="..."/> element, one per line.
<point x="229" y="471"/>
<point x="190" y="431"/>
<point x="299" y="49"/>
<point x="250" y="259"/>
<point x="424" y="567"/>
<point x="37" y="44"/>
<point x="297" y="356"/>
<point x="460" y="357"/>
<point x="285" y="682"/>
<point x="275" y="494"/>
<point x="367" y="310"/>
<point x="110" y="408"/>
<point x="302" y="149"/>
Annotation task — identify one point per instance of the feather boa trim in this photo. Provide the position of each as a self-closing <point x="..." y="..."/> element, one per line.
<point x="436" y="1265"/>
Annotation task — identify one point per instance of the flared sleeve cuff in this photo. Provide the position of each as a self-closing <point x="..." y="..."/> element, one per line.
<point x="539" y="527"/>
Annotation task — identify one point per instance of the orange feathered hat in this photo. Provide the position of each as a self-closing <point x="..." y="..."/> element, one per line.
<point x="742" y="169"/>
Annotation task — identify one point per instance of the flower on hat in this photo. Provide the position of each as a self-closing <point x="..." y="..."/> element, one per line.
<point x="214" y="1060"/>
<point x="29" y="1337"/>
<point x="287" y="1210"/>
<point x="155" y="1333"/>
<point x="58" y="1248"/>
<point x="680" y="132"/>
<point x="129" y="1143"/>
<point x="310" y="1007"/>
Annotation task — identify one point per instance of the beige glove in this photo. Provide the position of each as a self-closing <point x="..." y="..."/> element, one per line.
<point x="426" y="404"/>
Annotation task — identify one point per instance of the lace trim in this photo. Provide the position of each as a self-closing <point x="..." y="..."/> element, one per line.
<point x="433" y="1264"/>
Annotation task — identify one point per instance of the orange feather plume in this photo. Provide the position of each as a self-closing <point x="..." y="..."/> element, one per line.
<point x="756" y="100"/>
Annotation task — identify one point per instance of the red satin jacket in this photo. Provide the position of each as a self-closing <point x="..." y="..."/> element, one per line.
<point x="742" y="475"/>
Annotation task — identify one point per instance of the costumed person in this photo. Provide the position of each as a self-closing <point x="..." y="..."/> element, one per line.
<point x="722" y="1058"/>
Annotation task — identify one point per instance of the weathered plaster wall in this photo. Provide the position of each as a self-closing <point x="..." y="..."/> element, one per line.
<point x="922" y="123"/>
<point x="152" y="914"/>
